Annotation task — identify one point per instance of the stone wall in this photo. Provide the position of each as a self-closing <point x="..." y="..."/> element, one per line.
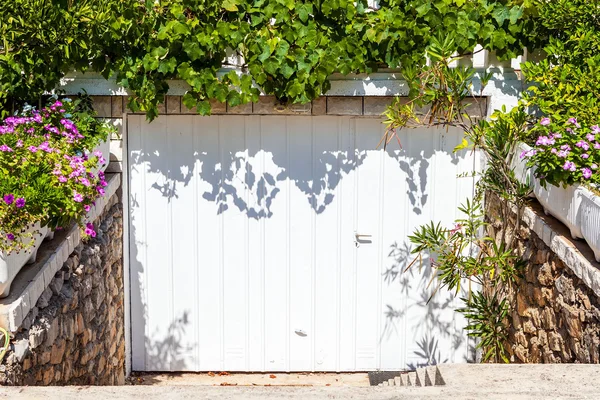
<point x="75" y="333"/>
<point x="555" y="316"/>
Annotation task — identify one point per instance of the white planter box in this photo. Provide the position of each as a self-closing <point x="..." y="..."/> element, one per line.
<point x="11" y="264"/>
<point x="562" y="203"/>
<point x="590" y="220"/>
<point x="519" y="165"/>
<point x="104" y="148"/>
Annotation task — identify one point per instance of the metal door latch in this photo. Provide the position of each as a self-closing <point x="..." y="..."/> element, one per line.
<point x="361" y="238"/>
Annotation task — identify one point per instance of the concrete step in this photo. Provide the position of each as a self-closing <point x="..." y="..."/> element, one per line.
<point x="421" y="377"/>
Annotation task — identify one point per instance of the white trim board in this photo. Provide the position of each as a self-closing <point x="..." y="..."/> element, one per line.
<point x="504" y="88"/>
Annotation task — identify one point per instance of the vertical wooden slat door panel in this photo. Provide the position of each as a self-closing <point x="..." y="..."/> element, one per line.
<point x="244" y="248"/>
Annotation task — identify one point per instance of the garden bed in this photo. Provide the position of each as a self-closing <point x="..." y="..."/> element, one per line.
<point x="576" y="206"/>
<point x="32" y="280"/>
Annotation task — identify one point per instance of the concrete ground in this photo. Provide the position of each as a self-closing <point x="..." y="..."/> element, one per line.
<point x="258" y="379"/>
<point x="556" y="381"/>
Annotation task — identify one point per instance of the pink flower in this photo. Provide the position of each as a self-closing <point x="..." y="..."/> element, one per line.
<point x="32" y="149"/>
<point x="594" y="166"/>
<point x="587" y="173"/>
<point x="597" y="146"/>
<point x="87" y="207"/>
<point x="45" y="147"/>
<point x="583" y="144"/>
<point x="89" y="230"/>
<point x="100" y="191"/>
<point x="585" y="155"/>
<point x="596" y="129"/>
<point x="574" y="122"/>
<point x="10" y="237"/>
<point x="20" y="203"/>
<point x="5" y="148"/>
<point x="77" y="197"/>
<point x="457" y="228"/>
<point x="544" y="141"/>
<point x="62" y="179"/>
<point x="545" y="121"/>
<point x="569" y="166"/>
<point x="85" y="182"/>
<point x="19" y="143"/>
<point x="590" y="137"/>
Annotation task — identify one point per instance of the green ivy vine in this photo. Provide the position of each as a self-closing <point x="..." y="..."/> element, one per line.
<point x="289" y="48"/>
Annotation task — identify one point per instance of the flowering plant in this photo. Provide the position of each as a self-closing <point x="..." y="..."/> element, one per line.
<point x="565" y="153"/>
<point x="46" y="170"/>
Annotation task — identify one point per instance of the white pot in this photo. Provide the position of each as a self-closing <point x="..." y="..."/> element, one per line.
<point x="519" y="165"/>
<point x="49" y="235"/>
<point x="590" y="220"/>
<point x="11" y="264"/>
<point x="562" y="203"/>
<point x="104" y="148"/>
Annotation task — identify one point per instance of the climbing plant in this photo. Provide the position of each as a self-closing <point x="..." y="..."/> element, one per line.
<point x="463" y="256"/>
<point x="286" y="48"/>
<point x="565" y="84"/>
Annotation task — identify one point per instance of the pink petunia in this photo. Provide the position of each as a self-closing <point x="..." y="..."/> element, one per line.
<point x="545" y="121"/>
<point x="89" y="230"/>
<point x="574" y="122"/>
<point x="569" y="166"/>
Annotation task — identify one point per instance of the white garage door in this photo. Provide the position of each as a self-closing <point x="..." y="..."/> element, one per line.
<point x="276" y="243"/>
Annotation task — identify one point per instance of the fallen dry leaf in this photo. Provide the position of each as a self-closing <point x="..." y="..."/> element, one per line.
<point x="228" y="384"/>
<point x="211" y="374"/>
<point x="272" y="376"/>
<point x="328" y="384"/>
<point x="224" y="373"/>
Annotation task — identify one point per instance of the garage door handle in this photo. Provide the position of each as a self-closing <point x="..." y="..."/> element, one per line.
<point x="361" y="238"/>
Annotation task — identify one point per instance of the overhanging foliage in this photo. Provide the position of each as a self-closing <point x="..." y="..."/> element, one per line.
<point x="289" y="48"/>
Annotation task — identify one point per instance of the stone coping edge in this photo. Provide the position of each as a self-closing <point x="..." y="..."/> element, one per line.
<point x="570" y="253"/>
<point x="13" y="313"/>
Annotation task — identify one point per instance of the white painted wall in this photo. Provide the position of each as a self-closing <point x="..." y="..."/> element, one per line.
<point x="242" y="246"/>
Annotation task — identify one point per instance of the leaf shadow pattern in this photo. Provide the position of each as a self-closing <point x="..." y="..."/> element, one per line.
<point x="426" y="310"/>
<point x="249" y="178"/>
<point x="168" y="354"/>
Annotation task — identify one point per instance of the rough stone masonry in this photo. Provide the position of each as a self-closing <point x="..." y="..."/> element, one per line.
<point x="75" y="334"/>
<point x="555" y="317"/>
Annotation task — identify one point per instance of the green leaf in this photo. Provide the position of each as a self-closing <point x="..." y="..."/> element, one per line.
<point x="203" y="107"/>
<point x="231" y="5"/>
<point x="463" y="145"/>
